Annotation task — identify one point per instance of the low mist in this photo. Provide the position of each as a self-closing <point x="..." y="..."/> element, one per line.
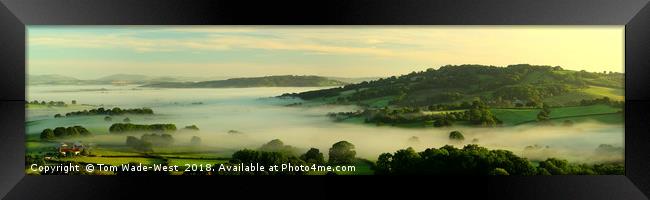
<point x="247" y="118"/>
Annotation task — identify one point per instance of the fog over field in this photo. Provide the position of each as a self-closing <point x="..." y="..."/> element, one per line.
<point x="259" y="118"/>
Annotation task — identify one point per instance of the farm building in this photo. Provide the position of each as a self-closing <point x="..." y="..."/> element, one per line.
<point x="71" y="149"/>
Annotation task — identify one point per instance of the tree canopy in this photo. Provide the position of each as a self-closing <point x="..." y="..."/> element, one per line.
<point x="342" y="153"/>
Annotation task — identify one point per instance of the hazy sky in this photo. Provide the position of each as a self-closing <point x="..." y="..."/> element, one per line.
<point x="88" y="52"/>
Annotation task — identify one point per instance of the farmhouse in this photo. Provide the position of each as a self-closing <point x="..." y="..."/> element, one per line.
<point x="71" y="149"/>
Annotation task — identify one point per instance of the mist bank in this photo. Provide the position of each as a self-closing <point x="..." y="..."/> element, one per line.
<point x="235" y="119"/>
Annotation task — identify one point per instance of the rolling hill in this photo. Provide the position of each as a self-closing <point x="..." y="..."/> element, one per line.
<point x="509" y="86"/>
<point x="267" y="81"/>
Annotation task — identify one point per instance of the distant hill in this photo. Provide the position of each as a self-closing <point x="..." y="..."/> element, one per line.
<point x="53" y="79"/>
<point x="498" y="86"/>
<point x="267" y="81"/>
<point x="353" y="80"/>
<point x="124" y="77"/>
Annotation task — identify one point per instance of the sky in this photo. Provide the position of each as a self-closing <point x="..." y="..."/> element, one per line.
<point x="89" y="52"/>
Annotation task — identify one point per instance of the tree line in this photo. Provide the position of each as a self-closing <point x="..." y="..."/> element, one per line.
<point x="64" y="132"/>
<point x="50" y="103"/>
<point x="475" y="160"/>
<point x="478" y="113"/>
<point x="341" y="153"/>
<point x="113" y="111"/>
<point x="118" y="128"/>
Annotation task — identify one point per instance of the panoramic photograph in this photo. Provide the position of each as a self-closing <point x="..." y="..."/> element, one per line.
<point x="325" y="100"/>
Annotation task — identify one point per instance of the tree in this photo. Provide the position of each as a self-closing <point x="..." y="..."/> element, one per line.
<point x="58" y="115"/>
<point x="545" y="114"/>
<point x="127" y="120"/>
<point x="47" y="134"/>
<point x="383" y="165"/>
<point x="342" y="153"/>
<point x="313" y="156"/>
<point x="456" y="136"/>
<point x="74" y="102"/>
<point x="273" y="145"/>
<point x="108" y="118"/>
<point x="82" y="131"/>
<point x="85" y="152"/>
<point x="72" y="132"/>
<point x="132" y="141"/>
<point x="405" y="160"/>
<point x="59" y="132"/>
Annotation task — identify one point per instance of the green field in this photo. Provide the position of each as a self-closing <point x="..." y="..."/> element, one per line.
<point x="519" y="116"/>
<point x="113" y="160"/>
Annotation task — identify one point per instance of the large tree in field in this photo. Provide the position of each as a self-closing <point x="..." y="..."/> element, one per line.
<point x="545" y="114"/>
<point x="456" y="136"/>
<point x="342" y="153"/>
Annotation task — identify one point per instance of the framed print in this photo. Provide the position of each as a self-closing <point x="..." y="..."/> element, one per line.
<point x="512" y="98"/>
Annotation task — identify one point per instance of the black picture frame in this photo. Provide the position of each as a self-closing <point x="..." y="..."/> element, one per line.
<point x="634" y="14"/>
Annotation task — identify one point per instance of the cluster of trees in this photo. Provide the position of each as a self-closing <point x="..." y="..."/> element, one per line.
<point x="441" y="97"/>
<point x="554" y="166"/>
<point x="277" y="145"/>
<point x="477" y="114"/>
<point x="341" y="153"/>
<point x="138" y="144"/>
<point x="50" y="103"/>
<point x="264" y="158"/>
<point x="481" y="115"/>
<point x="475" y="160"/>
<point x="64" y="132"/>
<point x="450" y="106"/>
<point x="146" y="142"/>
<point x="530" y="92"/>
<point x="604" y="101"/>
<point x="128" y="127"/>
<point x="191" y="127"/>
<point x="114" y="111"/>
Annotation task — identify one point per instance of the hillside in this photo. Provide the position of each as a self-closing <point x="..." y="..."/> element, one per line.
<point x="267" y="81"/>
<point x="511" y="86"/>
